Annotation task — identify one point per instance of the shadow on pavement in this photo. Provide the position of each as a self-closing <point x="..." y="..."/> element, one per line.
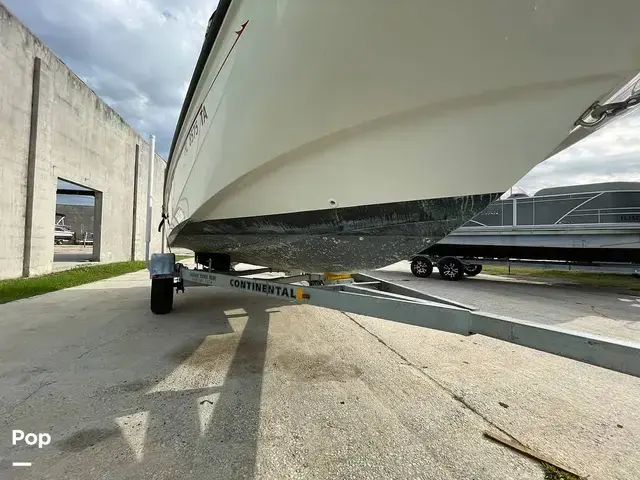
<point x="195" y="409"/>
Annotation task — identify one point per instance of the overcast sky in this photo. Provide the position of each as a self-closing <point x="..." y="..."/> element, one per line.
<point x="138" y="55"/>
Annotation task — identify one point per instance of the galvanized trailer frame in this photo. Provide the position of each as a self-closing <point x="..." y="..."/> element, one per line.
<point x="367" y="295"/>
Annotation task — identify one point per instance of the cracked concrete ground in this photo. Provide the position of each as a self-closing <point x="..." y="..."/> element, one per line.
<point x="236" y="386"/>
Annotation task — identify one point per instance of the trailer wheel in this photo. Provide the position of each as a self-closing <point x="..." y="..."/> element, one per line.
<point x="451" y="268"/>
<point x="421" y="267"/>
<point x="161" y="295"/>
<point x="472" y="269"/>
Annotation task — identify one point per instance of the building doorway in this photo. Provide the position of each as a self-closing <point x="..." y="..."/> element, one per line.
<point x="77" y="224"/>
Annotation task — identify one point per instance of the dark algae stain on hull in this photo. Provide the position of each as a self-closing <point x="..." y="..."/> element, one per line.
<point x="333" y="240"/>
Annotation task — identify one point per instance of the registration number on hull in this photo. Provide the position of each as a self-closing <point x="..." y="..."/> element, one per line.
<point x="196" y="127"/>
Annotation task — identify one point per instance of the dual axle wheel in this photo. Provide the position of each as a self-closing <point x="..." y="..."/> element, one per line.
<point x="450" y="268"/>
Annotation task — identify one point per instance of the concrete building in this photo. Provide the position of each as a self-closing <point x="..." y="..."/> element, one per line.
<point x="52" y="126"/>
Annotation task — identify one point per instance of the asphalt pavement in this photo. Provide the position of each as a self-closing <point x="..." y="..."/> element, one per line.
<point x="231" y="385"/>
<point x="601" y="311"/>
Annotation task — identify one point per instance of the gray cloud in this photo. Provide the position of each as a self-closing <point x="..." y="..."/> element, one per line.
<point x="611" y="154"/>
<point x="136" y="55"/>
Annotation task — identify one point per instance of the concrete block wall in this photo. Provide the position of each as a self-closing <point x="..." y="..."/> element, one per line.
<point x="76" y="137"/>
<point x="15" y="114"/>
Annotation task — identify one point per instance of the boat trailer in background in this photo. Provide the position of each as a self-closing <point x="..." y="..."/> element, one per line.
<point x="367" y="295"/>
<point x="454" y="268"/>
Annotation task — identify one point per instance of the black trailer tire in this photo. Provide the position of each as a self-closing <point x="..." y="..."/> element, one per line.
<point x="421" y="267"/>
<point x="472" y="269"/>
<point x="161" y="295"/>
<point x="450" y="268"/>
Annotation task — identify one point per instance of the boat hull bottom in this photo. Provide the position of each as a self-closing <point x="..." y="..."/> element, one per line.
<point x="333" y="240"/>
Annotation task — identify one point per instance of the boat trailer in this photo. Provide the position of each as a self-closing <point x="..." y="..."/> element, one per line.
<point x="370" y="296"/>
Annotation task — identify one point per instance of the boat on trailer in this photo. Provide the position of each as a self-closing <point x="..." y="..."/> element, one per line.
<point x="342" y="136"/>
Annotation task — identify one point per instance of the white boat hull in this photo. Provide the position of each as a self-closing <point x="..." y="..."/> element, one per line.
<point x="316" y="109"/>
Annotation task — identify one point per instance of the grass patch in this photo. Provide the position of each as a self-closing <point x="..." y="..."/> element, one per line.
<point x="15" y="289"/>
<point x="554" y="473"/>
<point x="18" y="288"/>
<point x="594" y="279"/>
